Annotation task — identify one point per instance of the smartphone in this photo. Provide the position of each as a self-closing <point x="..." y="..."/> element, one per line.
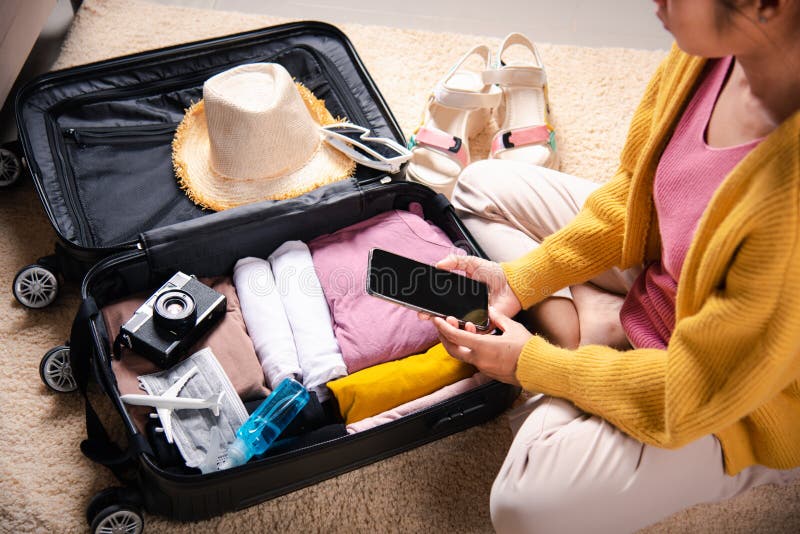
<point x="425" y="288"/>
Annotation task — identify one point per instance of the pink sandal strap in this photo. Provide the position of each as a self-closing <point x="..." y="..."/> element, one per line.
<point x="518" y="137"/>
<point x="442" y="142"/>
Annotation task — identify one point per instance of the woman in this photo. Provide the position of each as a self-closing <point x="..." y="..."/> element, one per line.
<point x="673" y="377"/>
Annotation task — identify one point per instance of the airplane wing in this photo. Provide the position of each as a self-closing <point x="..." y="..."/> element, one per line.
<point x="175" y="388"/>
<point x="165" y="415"/>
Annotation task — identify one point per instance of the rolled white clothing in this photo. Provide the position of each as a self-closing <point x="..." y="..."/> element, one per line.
<point x="266" y="321"/>
<point x="309" y="316"/>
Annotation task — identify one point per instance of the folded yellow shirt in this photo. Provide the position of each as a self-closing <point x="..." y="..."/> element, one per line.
<point x="387" y="385"/>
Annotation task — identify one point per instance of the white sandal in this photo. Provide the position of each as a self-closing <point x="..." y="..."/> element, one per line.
<point x="525" y="132"/>
<point x="459" y="107"/>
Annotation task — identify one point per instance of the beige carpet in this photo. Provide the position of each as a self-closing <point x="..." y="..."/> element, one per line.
<point x="45" y="482"/>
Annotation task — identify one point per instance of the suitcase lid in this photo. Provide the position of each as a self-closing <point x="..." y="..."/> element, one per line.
<point x="97" y="137"/>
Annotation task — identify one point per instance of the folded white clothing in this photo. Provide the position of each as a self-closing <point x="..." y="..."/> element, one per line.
<point x="309" y="316"/>
<point x="266" y="321"/>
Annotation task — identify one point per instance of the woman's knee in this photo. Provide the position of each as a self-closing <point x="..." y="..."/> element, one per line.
<point x="562" y="460"/>
<point x="487" y="183"/>
<point x="510" y="511"/>
<point x="531" y="490"/>
<point x="521" y="507"/>
<point x="473" y="187"/>
<point x="550" y="505"/>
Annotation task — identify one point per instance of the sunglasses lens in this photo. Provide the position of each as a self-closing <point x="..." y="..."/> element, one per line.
<point x="354" y="136"/>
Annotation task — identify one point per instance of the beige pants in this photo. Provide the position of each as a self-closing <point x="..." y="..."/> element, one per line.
<point x="568" y="471"/>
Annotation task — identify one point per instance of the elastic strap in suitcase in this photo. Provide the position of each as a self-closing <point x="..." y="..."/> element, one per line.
<point x="98" y="446"/>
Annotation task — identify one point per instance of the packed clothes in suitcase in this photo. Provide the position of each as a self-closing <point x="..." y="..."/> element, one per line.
<point x="277" y="328"/>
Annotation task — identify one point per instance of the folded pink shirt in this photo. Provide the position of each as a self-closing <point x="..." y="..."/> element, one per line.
<point x="370" y="330"/>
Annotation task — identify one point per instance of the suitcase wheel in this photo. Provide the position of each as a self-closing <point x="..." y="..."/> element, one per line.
<point x="118" y="518"/>
<point x="115" y="510"/>
<point x="56" y="372"/>
<point x="35" y="286"/>
<point x="10" y="168"/>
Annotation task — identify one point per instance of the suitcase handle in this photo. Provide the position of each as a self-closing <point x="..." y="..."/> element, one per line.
<point x="455" y="417"/>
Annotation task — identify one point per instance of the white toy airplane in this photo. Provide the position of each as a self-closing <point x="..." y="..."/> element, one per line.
<point x="168" y="402"/>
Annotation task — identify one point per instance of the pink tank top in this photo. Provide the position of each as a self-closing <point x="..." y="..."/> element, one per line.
<point x="688" y="174"/>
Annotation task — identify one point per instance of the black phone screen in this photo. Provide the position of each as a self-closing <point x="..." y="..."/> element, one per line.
<point x="426" y="288"/>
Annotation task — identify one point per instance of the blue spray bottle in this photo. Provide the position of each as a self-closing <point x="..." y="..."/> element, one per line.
<point x="265" y="424"/>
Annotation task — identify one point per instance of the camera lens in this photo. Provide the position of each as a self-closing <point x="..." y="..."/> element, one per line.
<point x="175" y="312"/>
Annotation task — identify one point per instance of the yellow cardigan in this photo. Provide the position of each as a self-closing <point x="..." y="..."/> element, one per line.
<point x="732" y="367"/>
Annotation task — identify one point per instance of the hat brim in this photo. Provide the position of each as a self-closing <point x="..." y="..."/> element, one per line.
<point x="191" y="158"/>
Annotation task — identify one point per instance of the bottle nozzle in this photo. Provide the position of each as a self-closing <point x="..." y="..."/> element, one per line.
<point x="237" y="454"/>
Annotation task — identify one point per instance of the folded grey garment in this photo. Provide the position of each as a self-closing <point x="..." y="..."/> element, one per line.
<point x="192" y="428"/>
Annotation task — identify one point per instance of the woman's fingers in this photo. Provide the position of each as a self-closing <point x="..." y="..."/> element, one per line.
<point x="469" y="264"/>
<point x="456" y="351"/>
<point x="488" y="272"/>
<point x="447" y="263"/>
<point x="457" y="336"/>
<point x="500" y="320"/>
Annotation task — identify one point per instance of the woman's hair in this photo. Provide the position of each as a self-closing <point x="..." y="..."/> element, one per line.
<point x="727" y="8"/>
<point x="734" y="5"/>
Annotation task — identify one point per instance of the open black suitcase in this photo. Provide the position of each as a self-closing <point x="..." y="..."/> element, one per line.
<point x="97" y="139"/>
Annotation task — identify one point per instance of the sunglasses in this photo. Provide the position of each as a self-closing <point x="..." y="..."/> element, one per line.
<point x="375" y="152"/>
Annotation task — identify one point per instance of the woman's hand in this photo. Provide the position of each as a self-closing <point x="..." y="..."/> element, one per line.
<point x="494" y="356"/>
<point x="490" y="273"/>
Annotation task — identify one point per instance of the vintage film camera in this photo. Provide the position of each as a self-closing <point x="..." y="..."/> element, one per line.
<point x="173" y="319"/>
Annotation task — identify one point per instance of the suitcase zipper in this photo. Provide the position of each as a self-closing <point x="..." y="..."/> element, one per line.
<point x="87" y="136"/>
<point x="121" y="134"/>
<point x="182" y="81"/>
<point x="331" y="73"/>
<point x="334" y="76"/>
<point x="65" y="176"/>
<point x="95" y="135"/>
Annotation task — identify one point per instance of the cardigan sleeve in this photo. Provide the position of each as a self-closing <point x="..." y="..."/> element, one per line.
<point x="593" y="241"/>
<point x="587" y="246"/>
<point x="738" y="351"/>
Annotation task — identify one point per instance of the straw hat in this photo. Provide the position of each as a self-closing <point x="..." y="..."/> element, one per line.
<point x="254" y="136"/>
